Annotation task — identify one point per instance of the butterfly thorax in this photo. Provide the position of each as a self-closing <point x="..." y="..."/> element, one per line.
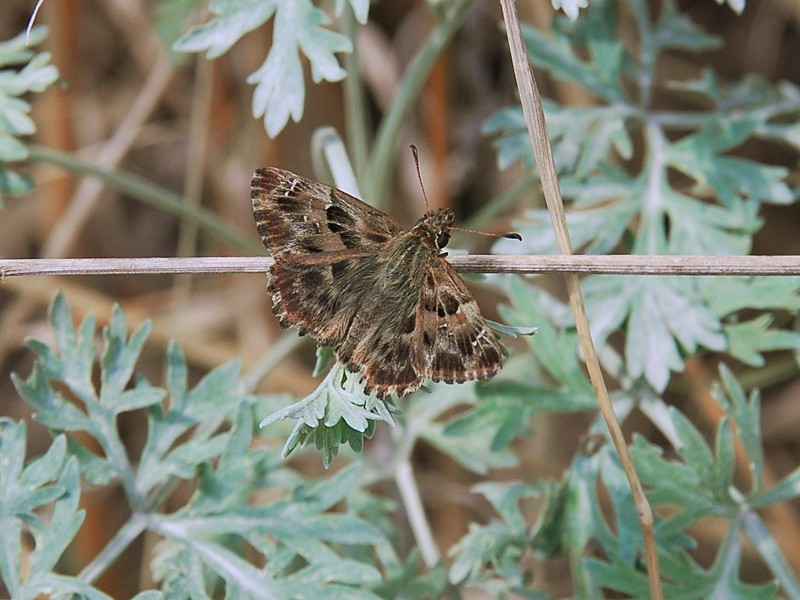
<point x="434" y="228"/>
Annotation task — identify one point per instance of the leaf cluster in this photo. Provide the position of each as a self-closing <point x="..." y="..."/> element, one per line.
<point x="685" y="191"/>
<point x="697" y="481"/>
<point x="337" y="412"/>
<point x="306" y="547"/>
<point x="298" y="28"/>
<point x="21" y="71"/>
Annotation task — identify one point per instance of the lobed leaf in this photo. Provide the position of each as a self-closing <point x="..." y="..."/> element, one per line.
<point x="298" y="28"/>
<point x="637" y="204"/>
<point x="29" y="73"/>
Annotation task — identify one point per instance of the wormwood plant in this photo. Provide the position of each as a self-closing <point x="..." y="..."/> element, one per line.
<point x="256" y="527"/>
<point x="21" y="71"/>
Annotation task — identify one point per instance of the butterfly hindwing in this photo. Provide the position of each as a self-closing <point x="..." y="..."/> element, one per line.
<point x="381" y="338"/>
<point x="453" y="341"/>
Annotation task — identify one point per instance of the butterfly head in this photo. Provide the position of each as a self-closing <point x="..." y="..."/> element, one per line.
<point x="434" y="227"/>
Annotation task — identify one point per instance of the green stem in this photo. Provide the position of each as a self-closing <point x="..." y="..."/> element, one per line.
<point x="355" y="106"/>
<point x="153" y="195"/>
<point x="753" y="527"/>
<point x="385" y="149"/>
<point x="106" y="434"/>
<point x="409" y="492"/>
<point x="652" y="236"/>
<point x="285" y="345"/>
<point x="118" y="544"/>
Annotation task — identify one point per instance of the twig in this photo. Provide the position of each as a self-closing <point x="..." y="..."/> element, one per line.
<point x="407" y="485"/>
<point x="477" y="263"/>
<point x="385" y="148"/>
<point x="537" y="131"/>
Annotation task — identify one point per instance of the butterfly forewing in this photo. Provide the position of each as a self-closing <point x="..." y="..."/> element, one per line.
<point x="299" y="218"/>
<point x="324" y="243"/>
<point x="385" y="301"/>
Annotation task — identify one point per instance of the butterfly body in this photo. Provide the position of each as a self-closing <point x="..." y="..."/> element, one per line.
<point x="384" y="300"/>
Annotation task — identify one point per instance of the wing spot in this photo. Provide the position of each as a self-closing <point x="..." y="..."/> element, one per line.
<point x="350" y="239"/>
<point x="449" y="304"/>
<point x="336" y="214"/>
<point x="310" y="247"/>
<point x="338" y="269"/>
<point x="376" y="237"/>
<point x="410" y="324"/>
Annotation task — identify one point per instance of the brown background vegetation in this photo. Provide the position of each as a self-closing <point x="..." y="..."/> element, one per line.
<point x="187" y="126"/>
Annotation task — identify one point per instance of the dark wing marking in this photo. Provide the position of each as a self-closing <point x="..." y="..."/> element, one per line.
<point x="321" y="299"/>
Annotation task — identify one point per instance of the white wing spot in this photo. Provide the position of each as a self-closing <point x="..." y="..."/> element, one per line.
<point x="482" y="334"/>
<point x="291" y="186"/>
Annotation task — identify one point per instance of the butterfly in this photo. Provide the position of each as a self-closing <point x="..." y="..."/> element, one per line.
<point x="384" y="300"/>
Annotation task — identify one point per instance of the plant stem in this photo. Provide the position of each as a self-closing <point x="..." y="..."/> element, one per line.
<point x="754" y="529"/>
<point x="118" y="544"/>
<point x="617" y="264"/>
<point x="407" y="486"/>
<point x="385" y="148"/>
<point x="356" y="114"/>
<point x="540" y="142"/>
<point x="152" y="195"/>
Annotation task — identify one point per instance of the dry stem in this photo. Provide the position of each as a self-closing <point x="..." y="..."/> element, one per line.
<point x="477" y="263"/>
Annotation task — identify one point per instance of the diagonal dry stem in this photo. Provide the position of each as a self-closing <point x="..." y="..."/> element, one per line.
<point x="534" y="118"/>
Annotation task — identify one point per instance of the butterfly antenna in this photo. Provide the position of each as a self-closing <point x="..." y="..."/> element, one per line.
<point x="415" y="152"/>
<point x="512" y="235"/>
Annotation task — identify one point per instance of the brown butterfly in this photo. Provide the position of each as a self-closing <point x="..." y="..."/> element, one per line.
<point x="384" y="300"/>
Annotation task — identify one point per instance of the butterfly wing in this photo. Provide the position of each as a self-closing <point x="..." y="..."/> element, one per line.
<point x="299" y="219"/>
<point x="434" y="329"/>
<point x="387" y="304"/>
<point x="380" y="342"/>
<point x="324" y="243"/>
<point x="453" y="342"/>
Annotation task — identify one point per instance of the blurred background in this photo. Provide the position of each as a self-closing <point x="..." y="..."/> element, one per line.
<point x="184" y="123"/>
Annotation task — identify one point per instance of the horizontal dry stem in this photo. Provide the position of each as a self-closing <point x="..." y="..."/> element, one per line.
<point x="606" y="265"/>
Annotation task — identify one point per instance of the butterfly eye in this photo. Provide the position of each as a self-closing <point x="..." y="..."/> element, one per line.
<point x="442" y="239"/>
